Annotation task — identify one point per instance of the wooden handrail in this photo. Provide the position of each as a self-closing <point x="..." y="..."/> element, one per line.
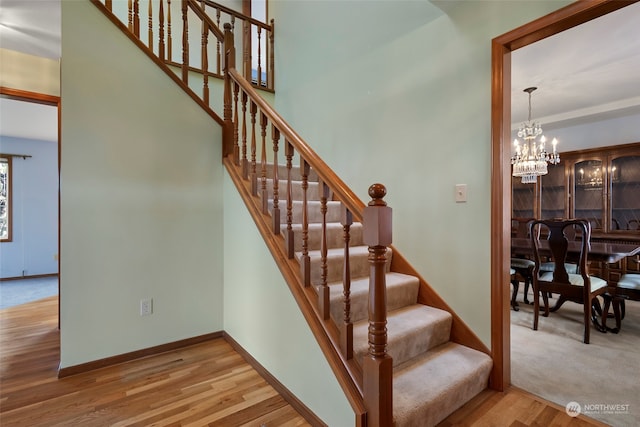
<point x="236" y="14"/>
<point x="326" y="174"/>
<point x="204" y="17"/>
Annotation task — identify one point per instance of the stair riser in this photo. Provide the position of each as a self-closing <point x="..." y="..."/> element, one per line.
<point x="399" y="295"/>
<point x="282" y="172"/>
<point x="408" y="345"/>
<point x="314" y="215"/>
<point x="359" y="267"/>
<point x="335" y="236"/>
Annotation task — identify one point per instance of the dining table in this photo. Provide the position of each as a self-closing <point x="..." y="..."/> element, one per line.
<point x="604" y="253"/>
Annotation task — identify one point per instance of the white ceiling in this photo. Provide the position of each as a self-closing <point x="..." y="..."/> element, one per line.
<point x="584" y="74"/>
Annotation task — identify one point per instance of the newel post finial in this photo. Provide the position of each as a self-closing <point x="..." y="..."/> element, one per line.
<point x="377" y="364"/>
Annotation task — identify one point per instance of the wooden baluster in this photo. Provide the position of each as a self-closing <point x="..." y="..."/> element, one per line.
<point x="305" y="264"/>
<point x="263" y="163"/>
<point x="254" y="173"/>
<point x="346" y="332"/>
<point x="229" y="63"/>
<point x="289" y="241"/>
<point x="275" y="214"/>
<point x="169" y="39"/>
<point x="150" y="21"/>
<point x="246" y="50"/>
<point x="108" y="5"/>
<point x="236" y="146"/>
<point x="259" y="57"/>
<point x="218" y="44"/>
<point x="130" y="15"/>
<point x="233" y="22"/>
<point x="272" y="60"/>
<point x="185" y="43"/>
<point x="323" y="294"/>
<point x="136" y="18"/>
<point x="245" y="163"/>
<point x="377" y="368"/>
<point x="205" y="62"/>
<point x="161" y="47"/>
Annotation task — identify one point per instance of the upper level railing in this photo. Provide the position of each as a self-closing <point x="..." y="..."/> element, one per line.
<point x="192" y="43"/>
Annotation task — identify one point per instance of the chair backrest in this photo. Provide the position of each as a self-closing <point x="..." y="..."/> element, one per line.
<point x="560" y="234"/>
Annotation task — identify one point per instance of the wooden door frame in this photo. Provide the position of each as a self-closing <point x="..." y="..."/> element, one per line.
<point x="46" y="99"/>
<point x="501" y="47"/>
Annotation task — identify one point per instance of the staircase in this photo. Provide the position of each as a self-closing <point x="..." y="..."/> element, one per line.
<point x="432" y="376"/>
<point x="401" y="355"/>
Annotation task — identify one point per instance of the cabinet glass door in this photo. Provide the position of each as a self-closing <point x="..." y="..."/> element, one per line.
<point x="588" y="192"/>
<point x="552" y="193"/>
<point x="522" y="198"/>
<point x="625" y="193"/>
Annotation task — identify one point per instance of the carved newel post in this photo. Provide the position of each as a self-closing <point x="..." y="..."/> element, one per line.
<point x="377" y="366"/>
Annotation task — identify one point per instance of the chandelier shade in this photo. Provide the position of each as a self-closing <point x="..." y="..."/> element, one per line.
<point x="530" y="157"/>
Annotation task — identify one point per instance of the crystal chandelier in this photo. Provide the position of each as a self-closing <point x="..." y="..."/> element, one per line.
<point x="530" y="158"/>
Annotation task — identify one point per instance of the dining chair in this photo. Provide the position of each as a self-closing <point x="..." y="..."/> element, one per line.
<point x="572" y="268"/>
<point x="628" y="287"/>
<point x="523" y="267"/>
<point x="580" y="288"/>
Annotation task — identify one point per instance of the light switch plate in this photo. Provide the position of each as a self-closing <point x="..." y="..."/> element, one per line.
<point x="461" y="193"/>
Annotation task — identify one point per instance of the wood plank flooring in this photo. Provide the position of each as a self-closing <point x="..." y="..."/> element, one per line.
<point x="205" y="384"/>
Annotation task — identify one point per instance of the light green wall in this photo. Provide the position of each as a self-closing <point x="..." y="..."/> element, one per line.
<point x="141" y="198"/>
<point x="398" y="92"/>
<point x="262" y="316"/>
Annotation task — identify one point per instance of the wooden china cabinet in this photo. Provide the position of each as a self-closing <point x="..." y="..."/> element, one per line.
<point x="601" y="185"/>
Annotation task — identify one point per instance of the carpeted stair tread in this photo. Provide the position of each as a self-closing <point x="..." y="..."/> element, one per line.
<point x="402" y="290"/>
<point x="282" y="172"/>
<point x="428" y="388"/>
<point x="335" y="235"/>
<point x="411" y="331"/>
<point x="296" y="190"/>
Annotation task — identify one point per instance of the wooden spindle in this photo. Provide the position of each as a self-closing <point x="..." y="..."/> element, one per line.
<point x="305" y="263"/>
<point x="229" y="63"/>
<point x="218" y="44"/>
<point x="377" y="368"/>
<point x="346" y="329"/>
<point x="246" y="50"/>
<point x="236" y="145"/>
<point x="245" y="163"/>
<point x="161" y="47"/>
<point x="108" y="5"/>
<point x="205" y="62"/>
<point x="130" y="15"/>
<point x="185" y="43"/>
<point x="323" y="294"/>
<point x="254" y="173"/>
<point x="275" y="214"/>
<point x="169" y="39"/>
<point x="136" y="18"/>
<point x="259" y="57"/>
<point x="289" y="238"/>
<point x="272" y="60"/>
<point x="263" y="163"/>
<point x="150" y="23"/>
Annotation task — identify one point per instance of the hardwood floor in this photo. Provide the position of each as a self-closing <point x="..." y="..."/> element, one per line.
<point x="205" y="384"/>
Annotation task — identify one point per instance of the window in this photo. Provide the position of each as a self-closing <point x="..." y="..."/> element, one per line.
<point x="5" y="198"/>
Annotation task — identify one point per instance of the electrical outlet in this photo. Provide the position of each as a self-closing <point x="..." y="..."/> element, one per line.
<point x="146" y="306"/>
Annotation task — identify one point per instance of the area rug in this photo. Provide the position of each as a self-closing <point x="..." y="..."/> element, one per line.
<point x="16" y="292"/>
<point x="600" y="379"/>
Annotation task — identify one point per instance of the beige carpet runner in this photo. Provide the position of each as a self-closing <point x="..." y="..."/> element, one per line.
<point x="433" y="376"/>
